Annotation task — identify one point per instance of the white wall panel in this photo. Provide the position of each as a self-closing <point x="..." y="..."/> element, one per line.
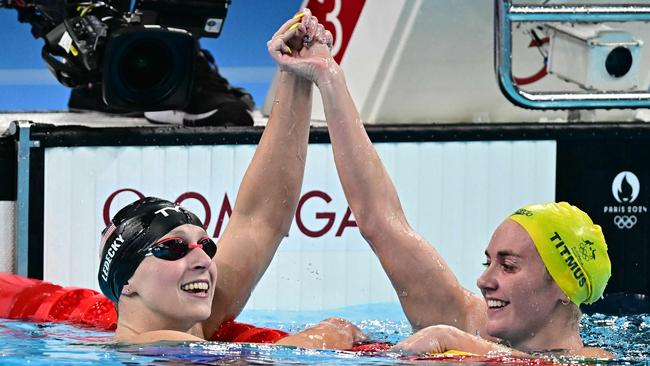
<point x="453" y="193"/>
<point x="7" y="235"/>
<point x="59" y="220"/>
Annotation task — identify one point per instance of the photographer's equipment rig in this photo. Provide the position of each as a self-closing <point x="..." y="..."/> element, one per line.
<point x="143" y="59"/>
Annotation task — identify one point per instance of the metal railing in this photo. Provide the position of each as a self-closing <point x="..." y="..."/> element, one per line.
<point x="506" y="13"/>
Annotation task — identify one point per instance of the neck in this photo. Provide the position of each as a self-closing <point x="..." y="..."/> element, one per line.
<point x="134" y="320"/>
<point x="560" y="332"/>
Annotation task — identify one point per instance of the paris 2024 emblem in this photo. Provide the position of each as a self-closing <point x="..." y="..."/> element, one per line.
<point x="625" y="189"/>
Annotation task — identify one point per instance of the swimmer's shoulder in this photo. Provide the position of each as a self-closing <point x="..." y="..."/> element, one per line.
<point x="160" y="335"/>
<point x="592" y="352"/>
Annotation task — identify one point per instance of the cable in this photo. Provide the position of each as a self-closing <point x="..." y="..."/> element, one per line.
<point x="538" y="43"/>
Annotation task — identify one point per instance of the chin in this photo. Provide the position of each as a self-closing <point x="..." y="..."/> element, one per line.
<point x="510" y="335"/>
<point x="201" y="318"/>
<point x="203" y="313"/>
<point x="496" y="330"/>
<point x="206" y="314"/>
<point x="196" y="316"/>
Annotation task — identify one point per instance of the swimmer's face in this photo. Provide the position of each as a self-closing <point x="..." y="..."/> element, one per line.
<point x="163" y="286"/>
<point x="517" y="288"/>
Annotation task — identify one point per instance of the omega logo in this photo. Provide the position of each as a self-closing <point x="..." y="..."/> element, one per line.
<point x="327" y="220"/>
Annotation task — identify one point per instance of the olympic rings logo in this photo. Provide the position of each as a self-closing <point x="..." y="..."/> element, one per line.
<point x="624" y="221"/>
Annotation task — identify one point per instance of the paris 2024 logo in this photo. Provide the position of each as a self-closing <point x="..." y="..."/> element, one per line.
<point x="625" y="189"/>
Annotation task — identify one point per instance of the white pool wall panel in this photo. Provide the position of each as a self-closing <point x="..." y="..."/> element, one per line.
<point x="7" y="236"/>
<point x="453" y="193"/>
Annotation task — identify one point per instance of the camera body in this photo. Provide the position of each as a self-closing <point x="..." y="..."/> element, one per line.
<point x="143" y="59"/>
<point x="87" y="35"/>
<point x="595" y="56"/>
<point x="199" y="17"/>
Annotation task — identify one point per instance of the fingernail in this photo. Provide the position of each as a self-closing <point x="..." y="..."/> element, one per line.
<point x="298" y="15"/>
<point x="293" y="27"/>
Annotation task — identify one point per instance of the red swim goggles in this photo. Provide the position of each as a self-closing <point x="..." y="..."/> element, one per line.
<point x="171" y="249"/>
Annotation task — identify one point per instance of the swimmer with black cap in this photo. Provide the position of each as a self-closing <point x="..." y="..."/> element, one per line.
<point x="539" y="268"/>
<point x="159" y="265"/>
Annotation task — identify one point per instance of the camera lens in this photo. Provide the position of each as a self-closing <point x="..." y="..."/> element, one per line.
<point x="618" y="62"/>
<point x="148" y="69"/>
<point x="145" y="65"/>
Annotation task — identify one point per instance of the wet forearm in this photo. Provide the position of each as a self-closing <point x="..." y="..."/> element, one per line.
<point x="406" y="257"/>
<point x="366" y="183"/>
<point x="271" y="186"/>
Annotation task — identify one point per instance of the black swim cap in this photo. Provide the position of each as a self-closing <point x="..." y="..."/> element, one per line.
<point x="133" y="230"/>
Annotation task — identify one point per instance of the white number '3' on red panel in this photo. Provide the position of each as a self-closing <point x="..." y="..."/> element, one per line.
<point x="339" y="17"/>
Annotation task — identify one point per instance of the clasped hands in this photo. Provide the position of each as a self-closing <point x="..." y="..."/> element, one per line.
<point x="302" y="46"/>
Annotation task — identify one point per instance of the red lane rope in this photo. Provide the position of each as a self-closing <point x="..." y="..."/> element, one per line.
<point x="40" y="301"/>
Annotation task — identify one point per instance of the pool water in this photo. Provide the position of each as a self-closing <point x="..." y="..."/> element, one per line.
<point x="54" y="343"/>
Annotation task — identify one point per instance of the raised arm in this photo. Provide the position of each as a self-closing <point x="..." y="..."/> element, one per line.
<point x="428" y="290"/>
<point x="269" y="191"/>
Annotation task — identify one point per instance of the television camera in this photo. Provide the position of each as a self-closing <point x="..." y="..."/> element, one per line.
<point x="142" y="58"/>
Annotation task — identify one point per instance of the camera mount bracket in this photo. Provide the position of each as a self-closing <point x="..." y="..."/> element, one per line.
<point x="506" y="14"/>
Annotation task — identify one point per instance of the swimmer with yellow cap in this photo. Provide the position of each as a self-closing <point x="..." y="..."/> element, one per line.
<point x="541" y="263"/>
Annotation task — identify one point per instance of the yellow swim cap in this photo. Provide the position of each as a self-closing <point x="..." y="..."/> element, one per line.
<point x="571" y="246"/>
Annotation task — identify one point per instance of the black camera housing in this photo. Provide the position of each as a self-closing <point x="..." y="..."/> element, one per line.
<point x="144" y="59"/>
<point x="88" y="35"/>
<point x="200" y="17"/>
<point x="148" y="68"/>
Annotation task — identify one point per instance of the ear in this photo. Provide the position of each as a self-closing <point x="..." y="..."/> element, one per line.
<point x="565" y="300"/>
<point x="561" y="296"/>
<point x="558" y="294"/>
<point x="128" y="290"/>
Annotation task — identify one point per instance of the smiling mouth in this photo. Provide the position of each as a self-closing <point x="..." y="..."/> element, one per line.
<point x="196" y="287"/>
<point x="496" y="304"/>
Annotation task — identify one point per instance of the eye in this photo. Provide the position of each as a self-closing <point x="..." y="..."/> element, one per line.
<point x="209" y="246"/>
<point x="508" y="267"/>
<point x="486" y="264"/>
<point x="170" y="249"/>
<point x="169" y="242"/>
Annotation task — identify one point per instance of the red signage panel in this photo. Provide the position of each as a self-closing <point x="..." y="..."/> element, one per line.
<point x="339" y="17"/>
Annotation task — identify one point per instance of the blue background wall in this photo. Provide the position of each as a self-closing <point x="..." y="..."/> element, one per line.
<point x="26" y="83"/>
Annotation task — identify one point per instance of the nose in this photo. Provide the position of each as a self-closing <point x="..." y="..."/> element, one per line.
<point x="487" y="281"/>
<point x="199" y="258"/>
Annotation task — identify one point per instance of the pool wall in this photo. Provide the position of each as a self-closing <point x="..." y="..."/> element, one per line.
<point x="456" y="184"/>
<point x="7" y="203"/>
<point x="454" y="193"/>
